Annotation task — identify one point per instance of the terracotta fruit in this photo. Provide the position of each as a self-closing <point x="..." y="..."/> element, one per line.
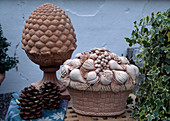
<point x="100" y="66"/>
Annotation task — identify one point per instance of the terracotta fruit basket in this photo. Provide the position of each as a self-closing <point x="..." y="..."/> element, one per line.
<point x="99" y="82"/>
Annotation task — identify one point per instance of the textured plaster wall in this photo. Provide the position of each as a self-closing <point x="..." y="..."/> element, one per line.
<point x="98" y="23"/>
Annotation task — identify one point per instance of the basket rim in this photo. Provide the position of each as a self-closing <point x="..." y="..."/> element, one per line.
<point x="99" y="87"/>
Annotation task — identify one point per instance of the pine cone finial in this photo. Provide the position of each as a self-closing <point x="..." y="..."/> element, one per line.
<point x="30" y="103"/>
<point x="51" y="96"/>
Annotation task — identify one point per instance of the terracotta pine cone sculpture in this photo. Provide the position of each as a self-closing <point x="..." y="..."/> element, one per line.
<point x="30" y="103"/>
<point x="48" y="36"/>
<point x="48" y="39"/>
<point x="51" y="96"/>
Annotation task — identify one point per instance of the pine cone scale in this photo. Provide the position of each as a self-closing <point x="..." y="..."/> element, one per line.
<point x="51" y="96"/>
<point x="30" y="103"/>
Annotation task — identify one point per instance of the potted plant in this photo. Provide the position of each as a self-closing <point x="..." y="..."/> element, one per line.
<point x="6" y="62"/>
<point x="153" y="33"/>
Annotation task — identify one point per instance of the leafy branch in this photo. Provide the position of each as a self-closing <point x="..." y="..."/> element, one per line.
<point x="153" y="33"/>
<point x="6" y="62"/>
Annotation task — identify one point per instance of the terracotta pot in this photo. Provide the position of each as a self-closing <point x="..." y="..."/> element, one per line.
<point x="2" y="76"/>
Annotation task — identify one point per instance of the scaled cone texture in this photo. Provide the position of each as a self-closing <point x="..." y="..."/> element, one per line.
<point x="51" y="96"/>
<point x="30" y="103"/>
<point x="48" y="36"/>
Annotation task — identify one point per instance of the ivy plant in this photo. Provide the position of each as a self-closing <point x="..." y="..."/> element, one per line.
<point x="153" y="98"/>
<point x="6" y="62"/>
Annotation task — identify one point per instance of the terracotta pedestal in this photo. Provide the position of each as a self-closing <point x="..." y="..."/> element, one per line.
<point x="50" y="75"/>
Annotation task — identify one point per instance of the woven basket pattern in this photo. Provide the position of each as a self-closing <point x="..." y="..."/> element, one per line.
<point x="101" y="103"/>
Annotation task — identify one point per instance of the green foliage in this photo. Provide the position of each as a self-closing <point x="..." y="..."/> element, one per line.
<point x="6" y="62"/>
<point x="153" y="99"/>
<point x="129" y="100"/>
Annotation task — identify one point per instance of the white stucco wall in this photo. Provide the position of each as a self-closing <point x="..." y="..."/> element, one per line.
<point x="97" y="23"/>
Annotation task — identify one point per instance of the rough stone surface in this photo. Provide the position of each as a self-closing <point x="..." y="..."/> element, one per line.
<point x="102" y="23"/>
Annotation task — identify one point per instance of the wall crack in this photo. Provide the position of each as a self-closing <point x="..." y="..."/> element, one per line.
<point x="86" y="15"/>
<point x="23" y="77"/>
<point x="144" y="6"/>
<point x="20" y="4"/>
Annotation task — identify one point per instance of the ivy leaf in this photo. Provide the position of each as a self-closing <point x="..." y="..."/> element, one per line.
<point x="129" y="100"/>
<point x="143" y="101"/>
<point x="163" y="96"/>
<point x="155" y="113"/>
<point x="167" y="59"/>
<point x="150" y="117"/>
<point x="135" y="112"/>
<point x="140" y="22"/>
<point x="161" y="39"/>
<point x="145" y="43"/>
<point x="166" y="78"/>
<point x="129" y="41"/>
<point x="147" y="19"/>
<point x="168" y="34"/>
<point x="137" y="118"/>
<point x="158" y="103"/>
<point x="135" y="22"/>
<point x="146" y="30"/>
<point x="164" y="109"/>
<point x="167" y="68"/>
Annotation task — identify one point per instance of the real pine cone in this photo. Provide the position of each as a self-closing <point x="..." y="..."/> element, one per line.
<point x="30" y="103"/>
<point x="48" y="32"/>
<point x="51" y="96"/>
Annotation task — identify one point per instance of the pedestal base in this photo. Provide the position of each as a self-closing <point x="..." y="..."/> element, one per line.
<point x="50" y="75"/>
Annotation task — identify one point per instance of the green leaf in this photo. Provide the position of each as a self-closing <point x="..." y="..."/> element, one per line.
<point x="142" y="117"/>
<point x="143" y="101"/>
<point x="167" y="69"/>
<point x="129" y="41"/>
<point x="147" y="19"/>
<point x="163" y="96"/>
<point x="164" y="108"/>
<point x="135" y="112"/>
<point x="135" y="22"/>
<point x="137" y="118"/>
<point x="155" y="113"/>
<point x="158" y="103"/>
<point x="145" y="43"/>
<point x="165" y="78"/>
<point x="152" y="13"/>
<point x="168" y="34"/>
<point x="146" y="30"/>
<point x="150" y="117"/>
<point x="168" y="54"/>
<point x="161" y="39"/>
<point x="139" y="56"/>
<point x="129" y="100"/>
<point x="140" y="22"/>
